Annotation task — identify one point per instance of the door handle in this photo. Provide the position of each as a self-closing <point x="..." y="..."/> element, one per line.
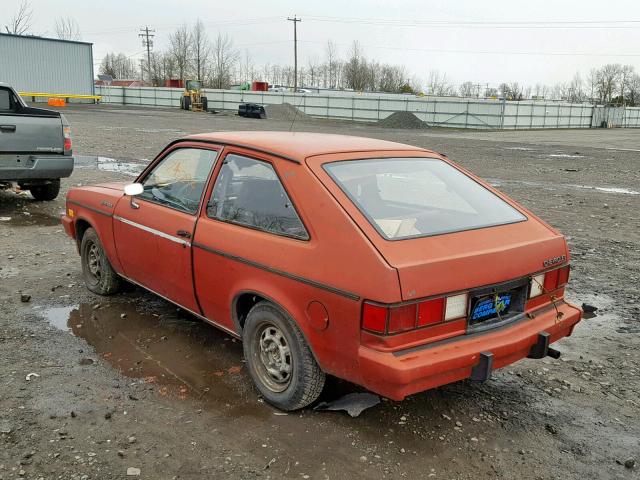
<point x="183" y="233"/>
<point x="7" y="128"/>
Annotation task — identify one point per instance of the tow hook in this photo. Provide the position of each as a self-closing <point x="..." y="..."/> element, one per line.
<point x="553" y="353"/>
<point x="542" y="349"/>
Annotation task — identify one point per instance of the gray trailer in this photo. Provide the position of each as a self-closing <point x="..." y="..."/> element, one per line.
<point x="35" y="146"/>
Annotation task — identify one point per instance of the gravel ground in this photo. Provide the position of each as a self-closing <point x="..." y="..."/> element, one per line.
<point x="130" y="382"/>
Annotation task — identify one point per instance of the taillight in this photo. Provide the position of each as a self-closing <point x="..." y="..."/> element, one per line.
<point x="430" y="312"/>
<point x="391" y="319"/>
<point x="374" y="318"/>
<point x="549" y="281"/>
<point x="66" y="131"/>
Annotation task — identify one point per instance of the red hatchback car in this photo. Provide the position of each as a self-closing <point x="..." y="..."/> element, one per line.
<point x="380" y="263"/>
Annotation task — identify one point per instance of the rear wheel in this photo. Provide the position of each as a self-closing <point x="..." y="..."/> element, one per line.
<point x="279" y="360"/>
<point x="99" y="276"/>
<point x="205" y="103"/>
<point x="47" y="191"/>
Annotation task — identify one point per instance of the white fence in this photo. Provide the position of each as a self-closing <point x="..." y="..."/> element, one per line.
<point x="435" y="111"/>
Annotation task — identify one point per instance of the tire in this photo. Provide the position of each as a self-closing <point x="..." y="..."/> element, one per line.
<point x="270" y="339"/>
<point x="187" y="103"/>
<point x="98" y="274"/>
<point x="46" y="192"/>
<point x="205" y="103"/>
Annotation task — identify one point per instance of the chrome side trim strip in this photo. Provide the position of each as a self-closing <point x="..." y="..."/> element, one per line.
<point x="153" y="231"/>
<point x="205" y="319"/>
<point x="93" y="209"/>
<point x="297" y="278"/>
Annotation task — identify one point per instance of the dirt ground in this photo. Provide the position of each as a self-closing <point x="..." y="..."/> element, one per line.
<point x="130" y="381"/>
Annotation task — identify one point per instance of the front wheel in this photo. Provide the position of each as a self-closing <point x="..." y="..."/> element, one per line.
<point x="99" y="276"/>
<point x="279" y="360"/>
<point x="46" y="192"/>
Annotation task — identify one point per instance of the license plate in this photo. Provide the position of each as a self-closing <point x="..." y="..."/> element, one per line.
<point x="490" y="306"/>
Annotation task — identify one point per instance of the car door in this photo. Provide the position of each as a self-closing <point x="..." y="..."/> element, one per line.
<point x="153" y="230"/>
<point x="248" y="220"/>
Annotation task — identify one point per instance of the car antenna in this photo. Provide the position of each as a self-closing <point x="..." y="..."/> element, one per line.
<point x="295" y="114"/>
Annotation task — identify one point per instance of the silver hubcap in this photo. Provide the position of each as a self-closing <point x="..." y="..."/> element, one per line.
<point x="93" y="261"/>
<point x="275" y="358"/>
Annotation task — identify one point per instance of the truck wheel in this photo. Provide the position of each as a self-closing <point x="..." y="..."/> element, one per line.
<point x="279" y="360"/>
<point x="99" y="276"/>
<point x="45" y="192"/>
<point x="205" y="103"/>
<point x="187" y="103"/>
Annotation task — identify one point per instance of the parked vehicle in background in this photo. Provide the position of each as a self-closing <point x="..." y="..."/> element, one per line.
<point x="380" y="263"/>
<point x="35" y="146"/>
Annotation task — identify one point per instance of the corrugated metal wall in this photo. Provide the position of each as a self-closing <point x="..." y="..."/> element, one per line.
<point x="436" y="111"/>
<point x="35" y="64"/>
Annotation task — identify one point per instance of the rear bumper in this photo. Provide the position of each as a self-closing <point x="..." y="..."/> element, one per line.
<point x="398" y="374"/>
<point x="35" y="167"/>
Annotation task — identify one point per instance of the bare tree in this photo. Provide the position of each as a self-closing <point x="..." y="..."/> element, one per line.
<point x="313" y="71"/>
<point x="67" y="28"/>
<point x="468" y="89"/>
<point x="118" y="66"/>
<point x="626" y="72"/>
<point x="20" y="22"/>
<point x="179" y="49"/>
<point x="224" y="57"/>
<point x="608" y="77"/>
<point x="201" y="49"/>
<point x="576" y="89"/>
<point x="439" y="84"/>
<point x="633" y="90"/>
<point x="331" y="53"/>
<point x="355" y="69"/>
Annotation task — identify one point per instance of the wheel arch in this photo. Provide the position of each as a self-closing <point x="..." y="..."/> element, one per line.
<point x="244" y="300"/>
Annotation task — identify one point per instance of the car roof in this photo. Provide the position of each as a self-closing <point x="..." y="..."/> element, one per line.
<point x="300" y="145"/>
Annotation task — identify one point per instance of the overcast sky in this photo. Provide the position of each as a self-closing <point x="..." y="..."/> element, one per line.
<point x="468" y="39"/>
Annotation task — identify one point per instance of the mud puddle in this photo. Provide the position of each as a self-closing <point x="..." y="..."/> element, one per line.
<point x="29" y="219"/>
<point x="174" y="353"/>
<point x="108" y="164"/>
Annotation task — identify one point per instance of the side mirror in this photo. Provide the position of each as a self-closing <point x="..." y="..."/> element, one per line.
<point x="133" y="189"/>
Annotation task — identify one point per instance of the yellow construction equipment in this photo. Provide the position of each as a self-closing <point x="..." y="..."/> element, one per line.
<point x="192" y="98"/>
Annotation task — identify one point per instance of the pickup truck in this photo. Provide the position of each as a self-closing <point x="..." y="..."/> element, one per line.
<point x="35" y="146"/>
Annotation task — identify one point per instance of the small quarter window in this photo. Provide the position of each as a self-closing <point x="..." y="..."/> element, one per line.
<point x="6" y="104"/>
<point x="179" y="179"/>
<point x="248" y="192"/>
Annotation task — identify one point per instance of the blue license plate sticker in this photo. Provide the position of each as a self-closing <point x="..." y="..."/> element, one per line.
<point x="489" y="307"/>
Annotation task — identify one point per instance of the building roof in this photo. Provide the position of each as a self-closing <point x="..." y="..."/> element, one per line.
<point x="300" y="145"/>
<point x="36" y="37"/>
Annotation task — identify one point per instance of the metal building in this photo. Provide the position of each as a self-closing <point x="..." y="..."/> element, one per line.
<point x="46" y="65"/>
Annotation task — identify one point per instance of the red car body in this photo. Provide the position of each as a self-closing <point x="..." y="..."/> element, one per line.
<point x="342" y="272"/>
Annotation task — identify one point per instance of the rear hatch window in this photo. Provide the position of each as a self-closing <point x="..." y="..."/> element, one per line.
<point x="419" y="197"/>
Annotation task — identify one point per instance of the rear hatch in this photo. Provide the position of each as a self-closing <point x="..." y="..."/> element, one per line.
<point x="460" y="246"/>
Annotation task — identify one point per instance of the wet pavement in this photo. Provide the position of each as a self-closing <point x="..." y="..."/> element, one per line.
<point x="174" y="352"/>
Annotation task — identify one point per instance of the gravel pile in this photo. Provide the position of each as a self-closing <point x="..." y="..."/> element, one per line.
<point x="402" y="120"/>
<point x="286" y="112"/>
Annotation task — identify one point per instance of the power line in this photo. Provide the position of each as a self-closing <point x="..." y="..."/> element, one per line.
<point x="295" y="21"/>
<point x="477" y="24"/>
<point x="487" y="52"/>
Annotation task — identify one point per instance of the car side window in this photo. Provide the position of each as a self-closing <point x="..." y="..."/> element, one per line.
<point x="6" y="104"/>
<point x="248" y="192"/>
<point x="179" y="179"/>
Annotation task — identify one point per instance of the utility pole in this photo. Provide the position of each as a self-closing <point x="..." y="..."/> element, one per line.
<point x="295" y="21"/>
<point x="147" y="35"/>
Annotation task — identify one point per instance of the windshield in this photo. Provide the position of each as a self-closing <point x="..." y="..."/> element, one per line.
<point x="417" y="197"/>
